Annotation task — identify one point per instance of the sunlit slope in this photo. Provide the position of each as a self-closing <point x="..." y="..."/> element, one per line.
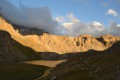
<point x="59" y="44"/>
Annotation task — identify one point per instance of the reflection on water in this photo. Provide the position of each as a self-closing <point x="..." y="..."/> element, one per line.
<point x="49" y="63"/>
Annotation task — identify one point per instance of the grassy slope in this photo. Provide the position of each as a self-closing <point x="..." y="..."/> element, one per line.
<point x="91" y="65"/>
<point x="20" y="71"/>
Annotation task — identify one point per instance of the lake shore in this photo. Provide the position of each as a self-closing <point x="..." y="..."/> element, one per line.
<point x="48" y="63"/>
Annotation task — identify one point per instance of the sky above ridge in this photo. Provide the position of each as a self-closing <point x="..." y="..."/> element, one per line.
<point x="75" y="17"/>
<point x="103" y="11"/>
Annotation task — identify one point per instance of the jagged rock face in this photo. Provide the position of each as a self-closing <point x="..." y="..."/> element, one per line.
<point x="60" y="44"/>
<point x="63" y="44"/>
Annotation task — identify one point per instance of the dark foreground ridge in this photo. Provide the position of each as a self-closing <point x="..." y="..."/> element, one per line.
<point x="91" y="65"/>
<point x="10" y="50"/>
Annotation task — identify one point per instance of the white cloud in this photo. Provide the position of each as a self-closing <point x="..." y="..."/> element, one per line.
<point x="41" y="18"/>
<point x="118" y="25"/>
<point x="60" y="19"/>
<point x="112" y="12"/>
<point x="68" y="25"/>
<point x="114" y="29"/>
<point x="74" y="27"/>
<point x="95" y="23"/>
<point x="71" y="17"/>
<point x="97" y="26"/>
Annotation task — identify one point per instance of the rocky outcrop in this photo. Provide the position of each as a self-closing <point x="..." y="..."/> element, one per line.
<point x="59" y="44"/>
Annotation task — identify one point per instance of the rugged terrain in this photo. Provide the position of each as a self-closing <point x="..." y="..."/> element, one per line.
<point x="44" y="42"/>
<point x="91" y="65"/>
<point x="90" y="58"/>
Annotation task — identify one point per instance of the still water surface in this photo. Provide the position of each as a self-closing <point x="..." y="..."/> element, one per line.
<point x="49" y="63"/>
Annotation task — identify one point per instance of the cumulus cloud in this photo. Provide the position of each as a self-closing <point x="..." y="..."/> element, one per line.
<point x="74" y="27"/>
<point x="34" y="17"/>
<point x="59" y="19"/>
<point x="118" y="25"/>
<point x="112" y="12"/>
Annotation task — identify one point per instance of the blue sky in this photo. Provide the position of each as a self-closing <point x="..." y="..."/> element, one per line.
<point x="84" y="10"/>
<point x="65" y="17"/>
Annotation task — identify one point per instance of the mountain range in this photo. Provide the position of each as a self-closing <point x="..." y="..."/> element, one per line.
<point x="40" y="41"/>
<point x="17" y="40"/>
<point x="89" y="57"/>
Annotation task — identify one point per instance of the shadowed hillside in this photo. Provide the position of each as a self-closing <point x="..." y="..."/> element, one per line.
<point x="10" y="50"/>
<point x="91" y="65"/>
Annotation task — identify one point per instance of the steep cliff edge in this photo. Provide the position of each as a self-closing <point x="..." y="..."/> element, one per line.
<point x="59" y="44"/>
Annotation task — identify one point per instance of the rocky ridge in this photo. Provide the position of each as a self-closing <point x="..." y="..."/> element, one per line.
<point x="59" y="44"/>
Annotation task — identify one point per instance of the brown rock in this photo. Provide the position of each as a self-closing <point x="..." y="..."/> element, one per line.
<point x="59" y="44"/>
